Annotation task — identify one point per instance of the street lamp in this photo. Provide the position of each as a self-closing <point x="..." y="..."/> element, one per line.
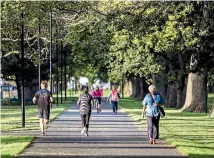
<point x="57" y="70"/>
<point x="61" y="66"/>
<point x="70" y="79"/>
<point x="51" y="84"/>
<point x="22" y="71"/>
<point x="39" y="52"/>
<point x="65" y="66"/>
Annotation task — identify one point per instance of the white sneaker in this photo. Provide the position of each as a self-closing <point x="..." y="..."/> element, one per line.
<point x="83" y="130"/>
<point x="86" y="134"/>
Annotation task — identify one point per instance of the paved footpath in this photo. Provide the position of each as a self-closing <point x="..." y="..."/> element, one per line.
<point x="109" y="136"/>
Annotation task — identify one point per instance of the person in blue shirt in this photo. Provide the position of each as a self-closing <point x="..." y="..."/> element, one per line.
<point x="152" y="101"/>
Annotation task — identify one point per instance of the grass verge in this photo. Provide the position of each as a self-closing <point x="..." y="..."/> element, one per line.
<point x="11" y="121"/>
<point x="191" y="133"/>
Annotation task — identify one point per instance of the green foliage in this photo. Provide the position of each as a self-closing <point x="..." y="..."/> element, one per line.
<point x="112" y="39"/>
<point x="11" y="121"/>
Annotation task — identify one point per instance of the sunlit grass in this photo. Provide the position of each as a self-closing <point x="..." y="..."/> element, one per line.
<point x="191" y="133"/>
<point x="11" y="121"/>
<point x="12" y="145"/>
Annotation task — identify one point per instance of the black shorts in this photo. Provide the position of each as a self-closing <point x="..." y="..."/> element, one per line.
<point x="44" y="113"/>
<point x="99" y="99"/>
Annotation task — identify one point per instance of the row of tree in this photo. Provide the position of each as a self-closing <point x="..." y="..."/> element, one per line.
<point x="169" y="44"/>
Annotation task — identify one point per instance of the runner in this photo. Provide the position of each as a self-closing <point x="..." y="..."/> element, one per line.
<point x="114" y="98"/>
<point x="97" y="94"/>
<point x="84" y="102"/>
<point x="44" y="99"/>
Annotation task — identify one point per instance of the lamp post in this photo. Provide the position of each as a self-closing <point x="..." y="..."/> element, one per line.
<point x="65" y="66"/>
<point x="51" y="82"/>
<point x="22" y="71"/>
<point x="61" y="66"/>
<point x="70" y="79"/>
<point x="57" y="70"/>
<point x="39" y="52"/>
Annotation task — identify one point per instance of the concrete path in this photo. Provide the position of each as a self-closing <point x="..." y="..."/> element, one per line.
<point x="109" y="136"/>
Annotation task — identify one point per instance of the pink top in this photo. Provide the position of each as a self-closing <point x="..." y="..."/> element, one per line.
<point x="96" y="93"/>
<point x="101" y="92"/>
<point x="114" y="96"/>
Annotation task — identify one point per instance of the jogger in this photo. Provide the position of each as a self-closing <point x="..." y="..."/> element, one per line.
<point x="84" y="102"/>
<point x="85" y="120"/>
<point x="44" y="99"/>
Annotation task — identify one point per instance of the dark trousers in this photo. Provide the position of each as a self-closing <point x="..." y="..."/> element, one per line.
<point x="153" y="127"/>
<point x="85" y="119"/>
<point x="114" y="106"/>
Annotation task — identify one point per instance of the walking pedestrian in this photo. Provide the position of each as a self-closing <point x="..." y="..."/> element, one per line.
<point x="97" y="94"/>
<point x="151" y="104"/>
<point x="44" y="99"/>
<point x="114" y="98"/>
<point x="85" y="102"/>
<point x="101" y="91"/>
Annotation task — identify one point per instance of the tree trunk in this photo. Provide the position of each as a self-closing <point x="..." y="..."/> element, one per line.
<point x="141" y="85"/>
<point x="128" y="88"/>
<point x="30" y="89"/>
<point x="181" y="83"/>
<point x="172" y="96"/>
<point x="167" y="96"/>
<point x="180" y="89"/>
<point x="29" y="92"/>
<point x="196" y="95"/>
<point x="212" y="111"/>
<point x="184" y="90"/>
<point x="135" y="87"/>
<point x="18" y="89"/>
<point x="164" y="83"/>
<point x="156" y="81"/>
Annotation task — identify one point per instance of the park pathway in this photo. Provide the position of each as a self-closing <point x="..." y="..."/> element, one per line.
<point x="109" y="136"/>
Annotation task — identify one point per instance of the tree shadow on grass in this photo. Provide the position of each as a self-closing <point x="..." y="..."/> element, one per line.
<point x="201" y="156"/>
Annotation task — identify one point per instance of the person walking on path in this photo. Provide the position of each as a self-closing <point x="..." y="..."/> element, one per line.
<point x="114" y="98"/>
<point x="151" y="104"/>
<point x="101" y="91"/>
<point x="97" y="94"/>
<point x="44" y="99"/>
<point x="85" y="102"/>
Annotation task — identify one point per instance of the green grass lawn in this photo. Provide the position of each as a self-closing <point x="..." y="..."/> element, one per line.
<point x="191" y="133"/>
<point x="11" y="121"/>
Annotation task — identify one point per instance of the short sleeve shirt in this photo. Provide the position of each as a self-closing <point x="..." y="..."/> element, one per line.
<point x="152" y="110"/>
<point x="43" y="98"/>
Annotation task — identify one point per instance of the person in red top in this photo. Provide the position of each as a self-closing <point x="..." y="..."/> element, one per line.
<point x="101" y="91"/>
<point x="97" y="95"/>
<point x="114" y="98"/>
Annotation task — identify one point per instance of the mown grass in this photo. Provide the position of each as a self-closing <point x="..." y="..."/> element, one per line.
<point x="191" y="133"/>
<point x="13" y="145"/>
<point x="11" y="121"/>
